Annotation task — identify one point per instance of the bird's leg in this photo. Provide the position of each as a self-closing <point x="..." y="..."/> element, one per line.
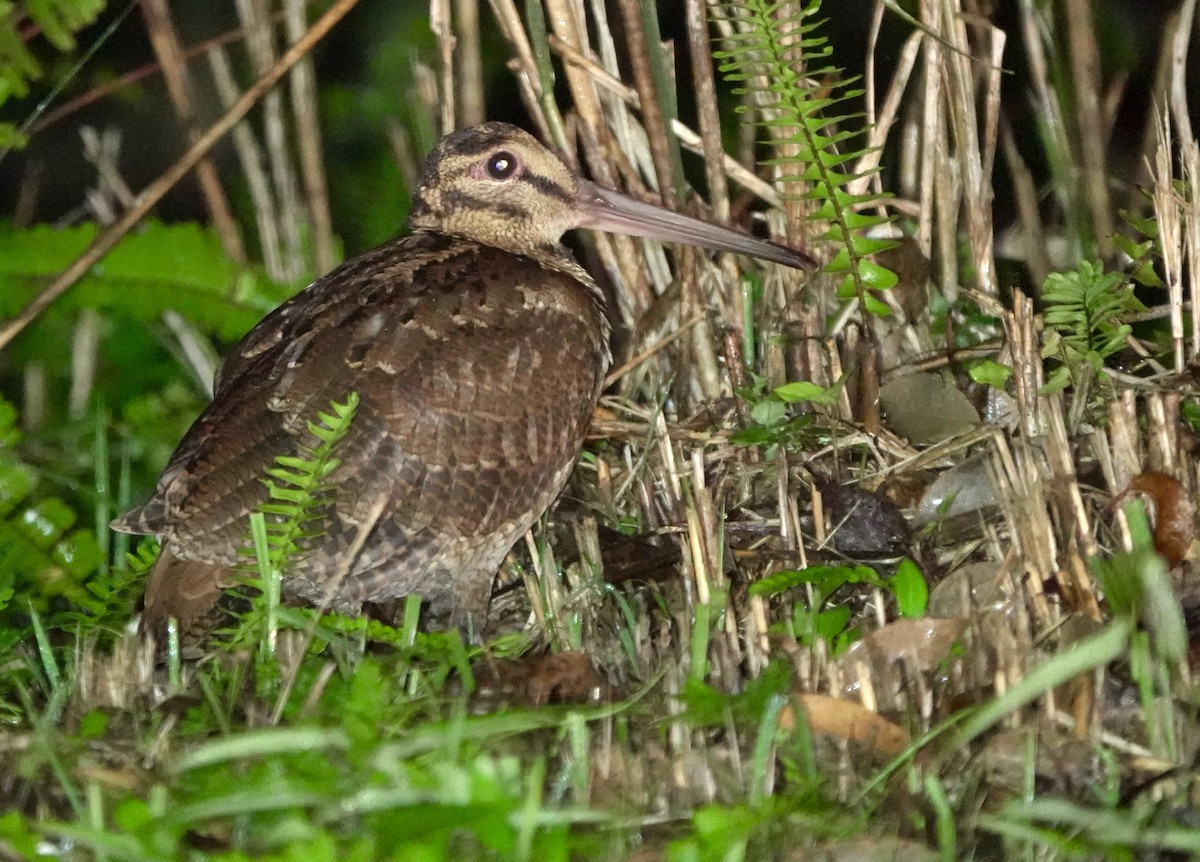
<point x="472" y="598"/>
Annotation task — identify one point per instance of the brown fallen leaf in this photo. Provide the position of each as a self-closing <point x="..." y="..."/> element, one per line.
<point x="565" y="677"/>
<point x="847" y="720"/>
<point x="925" y="642"/>
<point x="866" y="850"/>
<point x="923" y="647"/>
<point x="1171" y="511"/>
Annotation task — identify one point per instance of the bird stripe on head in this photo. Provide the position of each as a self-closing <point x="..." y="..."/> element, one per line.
<point x="458" y="200"/>
<point x="470" y="145"/>
<point x="548" y="187"/>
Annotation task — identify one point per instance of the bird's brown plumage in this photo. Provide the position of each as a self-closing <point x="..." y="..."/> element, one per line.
<point x="477" y="347"/>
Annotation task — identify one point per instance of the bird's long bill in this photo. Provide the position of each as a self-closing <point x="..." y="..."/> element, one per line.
<point x="604" y="209"/>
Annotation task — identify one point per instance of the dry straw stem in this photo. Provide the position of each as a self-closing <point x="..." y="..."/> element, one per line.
<point x="260" y="42"/>
<point x="1085" y="76"/>
<point x="303" y="83"/>
<point x="157" y="189"/>
<point x="252" y="160"/>
<point x="175" y="74"/>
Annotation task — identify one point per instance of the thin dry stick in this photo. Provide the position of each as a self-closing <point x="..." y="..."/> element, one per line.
<point x="929" y="152"/>
<point x="251" y="157"/>
<point x="469" y="63"/>
<point x="1166" y="211"/>
<point x="174" y="68"/>
<point x="308" y="134"/>
<point x="1180" y="42"/>
<point x="261" y="44"/>
<point x="652" y="115"/>
<point x="439" y="23"/>
<point x="1190" y="160"/>
<point x="1085" y="75"/>
<point x="155" y="191"/>
<point x="706" y="110"/>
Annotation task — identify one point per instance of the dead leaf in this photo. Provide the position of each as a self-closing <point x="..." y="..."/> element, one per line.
<point x="1171" y="510"/>
<point x="964" y="488"/>
<point x="565" y="677"/>
<point x="867" y="850"/>
<point x="925" y="642"/>
<point x="845" y="719"/>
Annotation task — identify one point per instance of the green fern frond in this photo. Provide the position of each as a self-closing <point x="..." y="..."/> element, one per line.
<point x="1083" y="314"/>
<point x="812" y="132"/>
<point x="298" y="493"/>
<point x="158" y="268"/>
<point x="55" y="566"/>
<point x="58" y="21"/>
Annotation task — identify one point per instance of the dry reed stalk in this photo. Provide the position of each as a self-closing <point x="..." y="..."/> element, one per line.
<point x="1190" y="201"/>
<point x="1085" y="78"/>
<point x="1032" y="248"/>
<point x="1170" y="233"/>
<point x="303" y="85"/>
<point x="1021" y="327"/>
<point x="1124" y="441"/>
<point x="251" y="157"/>
<point x="1068" y="500"/>
<point x="975" y="138"/>
<point x="469" y="63"/>
<point x="709" y="120"/>
<point x="443" y="30"/>
<point x="173" y="63"/>
<point x="260" y="43"/>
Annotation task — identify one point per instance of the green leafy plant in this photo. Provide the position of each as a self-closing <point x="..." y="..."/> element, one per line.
<point x="1141" y="254"/>
<point x="158" y="268"/>
<point x="44" y="554"/>
<point x="58" y="21"/>
<point x="817" y="620"/>
<point x="1083" y="318"/>
<point x="284" y="525"/>
<point x="810" y="130"/>
<point x="298" y="485"/>
<point x="771" y="415"/>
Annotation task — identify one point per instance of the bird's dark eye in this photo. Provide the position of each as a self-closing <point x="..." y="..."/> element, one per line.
<point x="501" y="165"/>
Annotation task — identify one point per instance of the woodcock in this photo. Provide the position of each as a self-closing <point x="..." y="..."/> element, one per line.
<point x="477" y="346"/>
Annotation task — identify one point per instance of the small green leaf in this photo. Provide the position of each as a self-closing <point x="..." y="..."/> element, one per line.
<point x="831" y="623"/>
<point x="45" y="522"/>
<point x="910" y="589"/>
<point x="875" y="276"/>
<point x="990" y="372"/>
<point x="877" y="307"/>
<point x="17" y="481"/>
<point x="768" y="412"/>
<point x="1058" y="380"/>
<point x="803" y="390"/>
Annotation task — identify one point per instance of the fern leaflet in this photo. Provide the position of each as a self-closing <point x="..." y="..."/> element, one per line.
<point x="809" y="131"/>
<point x="297" y="487"/>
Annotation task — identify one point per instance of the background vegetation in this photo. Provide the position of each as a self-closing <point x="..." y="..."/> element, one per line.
<point x="893" y="561"/>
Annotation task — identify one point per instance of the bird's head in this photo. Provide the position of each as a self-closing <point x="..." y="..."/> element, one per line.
<point x="497" y="185"/>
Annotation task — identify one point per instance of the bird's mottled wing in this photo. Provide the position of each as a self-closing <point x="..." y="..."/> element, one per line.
<point x="476" y="372"/>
